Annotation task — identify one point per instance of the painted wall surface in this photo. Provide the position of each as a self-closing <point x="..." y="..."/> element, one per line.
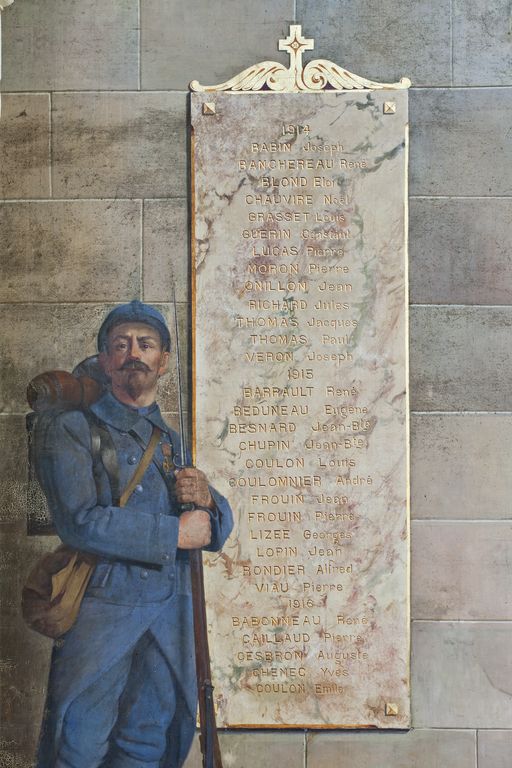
<point x="93" y="171"/>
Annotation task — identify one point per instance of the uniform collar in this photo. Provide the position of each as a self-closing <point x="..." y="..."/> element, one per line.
<point x="124" y="418"/>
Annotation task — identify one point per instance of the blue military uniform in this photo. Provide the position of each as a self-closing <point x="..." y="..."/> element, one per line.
<point x="126" y="668"/>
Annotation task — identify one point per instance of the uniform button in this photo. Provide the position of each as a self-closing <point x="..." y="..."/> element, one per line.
<point x="166" y="557"/>
<point x="138" y="488"/>
<point x="132" y="459"/>
<point x="144" y="574"/>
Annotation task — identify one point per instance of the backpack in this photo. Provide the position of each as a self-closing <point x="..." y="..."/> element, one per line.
<point x="57" y="391"/>
<point x="55" y="587"/>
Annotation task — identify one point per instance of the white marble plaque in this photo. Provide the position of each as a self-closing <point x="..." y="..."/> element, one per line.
<point x="300" y="401"/>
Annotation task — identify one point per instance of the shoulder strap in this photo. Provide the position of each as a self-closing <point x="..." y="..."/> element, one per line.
<point x="166" y="478"/>
<point x="144" y="463"/>
<point x="103" y="449"/>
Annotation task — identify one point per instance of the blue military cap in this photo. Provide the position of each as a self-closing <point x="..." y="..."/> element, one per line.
<point x="135" y="312"/>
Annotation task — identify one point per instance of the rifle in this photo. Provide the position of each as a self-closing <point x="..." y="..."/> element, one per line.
<point x="209" y="738"/>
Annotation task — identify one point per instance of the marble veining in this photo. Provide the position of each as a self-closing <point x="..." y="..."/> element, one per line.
<point x="301" y="402"/>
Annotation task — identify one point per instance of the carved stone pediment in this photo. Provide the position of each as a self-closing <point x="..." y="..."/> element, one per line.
<point x="315" y="76"/>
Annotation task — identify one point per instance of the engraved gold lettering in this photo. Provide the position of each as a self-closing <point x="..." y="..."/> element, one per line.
<point x="335" y="287"/>
<point x="268" y="357"/>
<point x="323" y="498"/>
<point x="327" y="217"/>
<point x="278" y="498"/>
<point x="323" y="269"/>
<point x="280" y="305"/>
<point x="343" y="410"/>
<point x="332" y="391"/>
<point x="275" y="463"/>
<point x="329" y="306"/>
<point x="296" y="130"/>
<point x="260" y="393"/>
<point x="279" y="199"/>
<point x="323" y="181"/>
<point x="279" y="672"/>
<point x="351" y="620"/>
<point x="272" y="146"/>
<point x="332" y="567"/>
<point x="336" y="537"/>
<point x="282" y="338"/>
<point x="270" y="656"/>
<point x="274" y="217"/>
<point x="351" y="164"/>
<point x="277" y="552"/>
<point x="328" y="517"/>
<point x="354" y="480"/>
<point x="336" y="463"/>
<point x="270" y="410"/>
<point x="311" y="146"/>
<point x="328" y="689"/>
<point x="323" y="589"/>
<point x="281" y="286"/>
<point x="259" y="639"/>
<point x="283" y="181"/>
<point x="279" y="516"/>
<point x="266" y="322"/>
<point x="276" y="481"/>
<point x="266" y="268"/>
<point x="328" y="234"/>
<point x="266" y="234"/>
<point x="333" y="322"/>
<point x="264" y="445"/>
<point x="254" y="427"/>
<point x="273" y="570"/>
<point x="272" y="587"/>
<point x="337" y="340"/>
<point x="338" y="358"/>
<point x="298" y="688"/>
<point x="268" y="534"/>
<point x="334" y="672"/>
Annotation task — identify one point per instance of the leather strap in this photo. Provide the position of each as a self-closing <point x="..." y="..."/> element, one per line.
<point x="169" y="481"/>
<point x="103" y="448"/>
<point x="143" y="465"/>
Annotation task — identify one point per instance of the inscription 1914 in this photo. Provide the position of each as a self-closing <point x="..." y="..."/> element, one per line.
<point x="300" y="402"/>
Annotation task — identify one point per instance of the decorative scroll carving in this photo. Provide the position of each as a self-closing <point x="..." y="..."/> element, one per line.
<point x="317" y="75"/>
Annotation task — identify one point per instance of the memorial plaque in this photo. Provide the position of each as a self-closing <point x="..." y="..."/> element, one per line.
<point x="300" y="390"/>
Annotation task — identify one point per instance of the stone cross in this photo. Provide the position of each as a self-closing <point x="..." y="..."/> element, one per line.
<point x="295" y="44"/>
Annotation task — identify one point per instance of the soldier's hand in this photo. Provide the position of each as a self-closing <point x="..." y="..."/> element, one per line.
<point x="194" y="530"/>
<point x="192" y="486"/>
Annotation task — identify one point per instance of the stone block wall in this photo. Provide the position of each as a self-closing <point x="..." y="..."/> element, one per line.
<point x="93" y="185"/>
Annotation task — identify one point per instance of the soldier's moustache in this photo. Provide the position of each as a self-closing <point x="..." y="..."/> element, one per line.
<point x="134" y="365"/>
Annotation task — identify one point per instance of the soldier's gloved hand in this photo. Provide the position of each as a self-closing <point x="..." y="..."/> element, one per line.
<point x="192" y="486"/>
<point x="194" y="529"/>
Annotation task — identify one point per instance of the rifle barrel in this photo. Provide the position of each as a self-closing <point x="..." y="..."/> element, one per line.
<point x="183" y="437"/>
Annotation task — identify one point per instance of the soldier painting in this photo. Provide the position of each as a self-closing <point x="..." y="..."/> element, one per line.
<point x="122" y="690"/>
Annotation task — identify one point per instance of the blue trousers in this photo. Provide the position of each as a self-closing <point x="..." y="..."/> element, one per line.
<point x="132" y="717"/>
